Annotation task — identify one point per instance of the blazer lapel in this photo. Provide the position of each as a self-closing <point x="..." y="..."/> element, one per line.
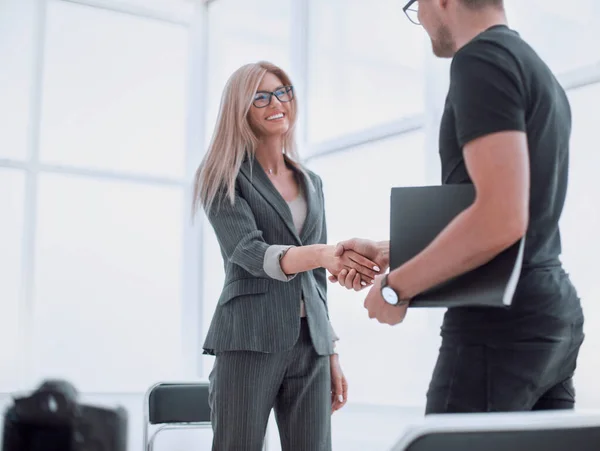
<point x="312" y="208"/>
<point x="255" y="173"/>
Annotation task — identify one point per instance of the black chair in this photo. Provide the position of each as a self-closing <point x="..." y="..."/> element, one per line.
<point x="175" y="405"/>
<point x="548" y="431"/>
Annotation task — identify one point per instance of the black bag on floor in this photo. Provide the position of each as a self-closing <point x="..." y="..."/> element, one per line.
<point x="52" y="419"/>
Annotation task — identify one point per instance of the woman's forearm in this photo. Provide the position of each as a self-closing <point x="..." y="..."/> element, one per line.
<point x="306" y="258"/>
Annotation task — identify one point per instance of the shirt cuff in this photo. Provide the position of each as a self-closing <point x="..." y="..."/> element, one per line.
<point x="272" y="263"/>
<point x="333" y="334"/>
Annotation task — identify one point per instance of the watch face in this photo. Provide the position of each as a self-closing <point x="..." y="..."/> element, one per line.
<point x="389" y="295"/>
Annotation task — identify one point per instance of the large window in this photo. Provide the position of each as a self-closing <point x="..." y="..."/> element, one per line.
<point x="108" y="283"/>
<point x="115" y="103"/>
<point x="564" y="33"/>
<point x="357" y="187"/>
<point x="365" y="66"/>
<point x="17" y="25"/>
<point x="579" y="228"/>
<point x="12" y="196"/>
<point x="240" y="32"/>
<point x="92" y="235"/>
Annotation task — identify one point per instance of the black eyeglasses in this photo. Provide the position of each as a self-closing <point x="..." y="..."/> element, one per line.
<point x="263" y="98"/>
<point x="411" y="9"/>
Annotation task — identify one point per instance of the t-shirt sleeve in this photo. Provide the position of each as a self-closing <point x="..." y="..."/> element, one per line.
<point x="487" y="92"/>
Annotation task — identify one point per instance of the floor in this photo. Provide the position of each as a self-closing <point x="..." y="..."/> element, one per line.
<point x="355" y="428"/>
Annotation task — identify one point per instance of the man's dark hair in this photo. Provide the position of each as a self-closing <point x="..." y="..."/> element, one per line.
<point x="478" y="4"/>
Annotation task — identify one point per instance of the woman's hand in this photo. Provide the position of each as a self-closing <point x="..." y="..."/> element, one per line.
<point x="375" y="251"/>
<point x="339" y="385"/>
<point x="350" y="260"/>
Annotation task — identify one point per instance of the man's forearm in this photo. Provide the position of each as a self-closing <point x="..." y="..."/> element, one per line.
<point x="470" y="240"/>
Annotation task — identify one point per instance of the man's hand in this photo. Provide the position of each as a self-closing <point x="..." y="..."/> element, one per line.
<point x="381" y="310"/>
<point x="349" y="260"/>
<point x="373" y="250"/>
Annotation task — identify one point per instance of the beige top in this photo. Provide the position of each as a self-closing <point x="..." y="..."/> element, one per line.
<point x="274" y="254"/>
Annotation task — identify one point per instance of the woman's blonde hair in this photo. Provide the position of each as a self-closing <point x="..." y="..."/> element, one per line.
<point x="234" y="139"/>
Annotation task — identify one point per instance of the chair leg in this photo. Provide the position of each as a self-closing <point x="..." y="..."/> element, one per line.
<point x="150" y="444"/>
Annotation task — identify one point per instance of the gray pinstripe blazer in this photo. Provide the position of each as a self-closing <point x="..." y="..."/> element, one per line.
<point x="254" y="311"/>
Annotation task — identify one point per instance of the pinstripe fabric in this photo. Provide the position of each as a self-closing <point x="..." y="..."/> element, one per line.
<point x="254" y="311"/>
<point x="245" y="385"/>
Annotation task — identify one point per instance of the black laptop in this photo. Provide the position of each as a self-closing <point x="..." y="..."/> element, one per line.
<point x="418" y="215"/>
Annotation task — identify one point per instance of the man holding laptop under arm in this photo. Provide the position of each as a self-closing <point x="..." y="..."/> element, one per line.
<point x="505" y="128"/>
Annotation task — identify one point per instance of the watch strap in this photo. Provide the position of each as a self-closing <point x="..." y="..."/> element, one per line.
<point x="384" y="284"/>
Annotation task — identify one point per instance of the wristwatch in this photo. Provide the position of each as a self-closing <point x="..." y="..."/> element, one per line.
<point x="389" y="295"/>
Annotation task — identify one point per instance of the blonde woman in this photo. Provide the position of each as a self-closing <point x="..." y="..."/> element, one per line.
<point x="270" y="332"/>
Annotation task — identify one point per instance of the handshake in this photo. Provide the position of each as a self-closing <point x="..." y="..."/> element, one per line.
<point x="355" y="263"/>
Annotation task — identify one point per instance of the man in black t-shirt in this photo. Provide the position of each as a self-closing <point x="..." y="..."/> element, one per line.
<point x="505" y="128"/>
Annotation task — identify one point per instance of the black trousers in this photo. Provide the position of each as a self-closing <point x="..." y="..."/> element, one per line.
<point x="508" y="377"/>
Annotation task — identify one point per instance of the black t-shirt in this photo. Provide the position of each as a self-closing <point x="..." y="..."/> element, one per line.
<point x="499" y="83"/>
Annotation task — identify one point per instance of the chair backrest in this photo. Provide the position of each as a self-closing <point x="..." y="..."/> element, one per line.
<point x="548" y="431"/>
<point x="178" y="403"/>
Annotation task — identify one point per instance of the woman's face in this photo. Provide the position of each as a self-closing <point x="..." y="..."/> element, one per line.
<point x="270" y="118"/>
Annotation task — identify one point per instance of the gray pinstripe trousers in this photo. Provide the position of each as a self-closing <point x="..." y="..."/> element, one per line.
<point x="246" y="385"/>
